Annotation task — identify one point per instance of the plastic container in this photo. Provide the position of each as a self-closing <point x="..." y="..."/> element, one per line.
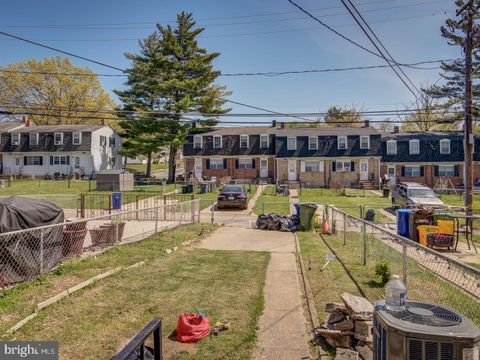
<point x="116" y="200"/>
<point x="395" y="294"/>
<point x="297" y="208"/>
<point x="423" y="230"/>
<point x="402" y="222"/>
<point x="307" y="212"/>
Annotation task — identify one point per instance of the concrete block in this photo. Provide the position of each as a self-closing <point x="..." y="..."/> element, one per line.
<point x="52" y="300"/>
<point x="364" y="330"/>
<point x="359" y="307"/>
<point x="346" y="354"/>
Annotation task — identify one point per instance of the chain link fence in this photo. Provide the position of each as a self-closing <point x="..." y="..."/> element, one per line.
<point x="363" y="247"/>
<point x="27" y="253"/>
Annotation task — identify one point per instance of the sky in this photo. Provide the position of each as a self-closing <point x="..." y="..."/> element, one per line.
<point x="252" y="36"/>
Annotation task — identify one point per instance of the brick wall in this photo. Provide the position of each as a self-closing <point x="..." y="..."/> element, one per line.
<point x="429" y="177"/>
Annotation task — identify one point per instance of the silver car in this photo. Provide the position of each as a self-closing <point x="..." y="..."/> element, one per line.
<point x="410" y="195"/>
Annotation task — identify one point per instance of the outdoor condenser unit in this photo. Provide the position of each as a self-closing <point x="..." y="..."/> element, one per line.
<point x="423" y="332"/>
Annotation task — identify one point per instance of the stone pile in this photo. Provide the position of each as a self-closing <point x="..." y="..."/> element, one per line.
<point x="348" y="327"/>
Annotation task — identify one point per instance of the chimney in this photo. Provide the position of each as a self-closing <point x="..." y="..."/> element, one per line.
<point x="104" y="121"/>
<point x="396" y="129"/>
<point x="26" y="121"/>
<point x="274" y="123"/>
<point x="282" y="125"/>
<point x="367" y="123"/>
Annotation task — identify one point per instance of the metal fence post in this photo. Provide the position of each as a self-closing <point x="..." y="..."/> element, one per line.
<point x="156" y="219"/>
<point x="364" y="237"/>
<point x="116" y="228"/>
<point x="212" y="212"/>
<point x="360" y="211"/>
<point x="263" y="207"/>
<point x="42" y="235"/>
<point x="199" y="202"/>
<point x="404" y="262"/>
<point x="344" y="229"/>
<point x="164" y="207"/>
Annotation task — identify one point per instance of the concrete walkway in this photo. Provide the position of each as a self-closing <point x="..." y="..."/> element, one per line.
<point x="282" y="333"/>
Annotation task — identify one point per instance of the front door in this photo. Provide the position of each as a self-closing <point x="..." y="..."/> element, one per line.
<point x="363" y="169"/>
<point x="263" y="168"/>
<point x="197" y="172"/>
<point x="292" y="170"/>
<point x="392" y="176"/>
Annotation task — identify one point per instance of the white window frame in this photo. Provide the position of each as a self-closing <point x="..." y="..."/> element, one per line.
<point x="394" y="143"/>
<point x="245" y="163"/>
<point x="294" y="143"/>
<point x="444" y="141"/>
<point x="343" y="168"/>
<point x="103" y="141"/>
<point x="34" y="157"/>
<point x="417" y="169"/>
<point x="33" y="136"/>
<point x="79" y="138"/>
<point x="112" y="141"/>
<point x="368" y="141"/>
<point x="17" y="140"/>
<point x="197" y="145"/>
<point x="310" y="143"/>
<point x="446" y="170"/>
<point x="410" y="150"/>
<point x="217" y="137"/>
<point x="344" y="138"/>
<point x="242" y="138"/>
<point x="59" y="160"/>
<point x="55" y="138"/>
<point x="76" y="162"/>
<point x="264" y="137"/>
<point x="216" y="164"/>
<point x="312" y="166"/>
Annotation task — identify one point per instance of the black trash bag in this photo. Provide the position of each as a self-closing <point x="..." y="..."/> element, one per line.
<point x="370" y="215"/>
<point x="278" y="222"/>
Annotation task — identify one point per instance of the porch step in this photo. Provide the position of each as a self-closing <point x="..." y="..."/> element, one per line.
<point x="293" y="184"/>
<point x="367" y="185"/>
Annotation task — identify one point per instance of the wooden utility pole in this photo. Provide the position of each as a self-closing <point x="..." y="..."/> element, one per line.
<point x="467" y="128"/>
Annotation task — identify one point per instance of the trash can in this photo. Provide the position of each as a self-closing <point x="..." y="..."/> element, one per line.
<point x="297" y="208"/>
<point x="307" y="213"/>
<point x="190" y="188"/>
<point x="184" y="189"/>
<point x="370" y="215"/>
<point x="204" y="188"/>
<point x="403" y="228"/>
<point x="386" y="192"/>
<point x="116" y="200"/>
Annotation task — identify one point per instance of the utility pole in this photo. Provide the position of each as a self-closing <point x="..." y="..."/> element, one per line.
<point x="467" y="127"/>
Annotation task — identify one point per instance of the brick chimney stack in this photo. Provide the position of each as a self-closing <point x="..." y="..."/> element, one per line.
<point x="104" y="121"/>
<point x="396" y="129"/>
<point x="282" y="125"/>
<point x="274" y="124"/>
<point x="26" y="121"/>
<point x="367" y="123"/>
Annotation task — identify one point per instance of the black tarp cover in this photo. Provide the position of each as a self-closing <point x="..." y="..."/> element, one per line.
<point x="20" y="253"/>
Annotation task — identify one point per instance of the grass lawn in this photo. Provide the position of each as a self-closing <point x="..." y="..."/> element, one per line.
<point x="349" y="202"/>
<point x="422" y="284"/>
<point x="143" y="167"/>
<point x="266" y="202"/>
<point x="96" y="322"/>
<point x="457" y="200"/>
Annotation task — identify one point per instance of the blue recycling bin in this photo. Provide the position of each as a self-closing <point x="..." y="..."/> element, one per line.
<point x="116" y="200"/>
<point x="297" y="208"/>
<point x="403" y="228"/>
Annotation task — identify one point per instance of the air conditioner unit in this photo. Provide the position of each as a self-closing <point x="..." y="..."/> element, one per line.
<point x="423" y="332"/>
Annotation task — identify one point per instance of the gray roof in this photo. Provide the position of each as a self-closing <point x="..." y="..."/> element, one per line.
<point x="326" y="131"/>
<point x="60" y="128"/>
<point x="420" y="135"/>
<point x="9" y="125"/>
<point x="249" y="130"/>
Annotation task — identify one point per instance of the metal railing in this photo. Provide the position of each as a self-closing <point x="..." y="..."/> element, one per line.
<point x="137" y="344"/>
<point x="430" y="275"/>
<point x="27" y="253"/>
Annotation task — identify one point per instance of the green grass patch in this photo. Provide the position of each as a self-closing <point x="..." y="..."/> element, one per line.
<point x="269" y="203"/>
<point x="457" y="200"/>
<point x="143" y="167"/>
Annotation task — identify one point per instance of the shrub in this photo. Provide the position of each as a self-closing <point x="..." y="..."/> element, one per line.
<point x="382" y="269"/>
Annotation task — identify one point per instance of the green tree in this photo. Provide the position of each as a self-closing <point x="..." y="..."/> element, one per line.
<point x="175" y="76"/>
<point x="48" y="90"/>
<point x="338" y="117"/>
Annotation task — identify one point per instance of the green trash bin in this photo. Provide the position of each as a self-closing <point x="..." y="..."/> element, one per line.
<point x="204" y="188"/>
<point x="307" y="214"/>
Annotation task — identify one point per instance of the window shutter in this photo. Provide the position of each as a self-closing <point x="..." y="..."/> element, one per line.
<point x="68" y="159"/>
<point x="352" y="166"/>
<point x="456" y="170"/>
<point x="422" y="170"/>
<point x="253" y="163"/>
<point x="41" y="160"/>
<point x="435" y="170"/>
<point x="51" y="160"/>
<point x="24" y="160"/>
<point x="321" y="166"/>
<point x="403" y="171"/>
<point x="302" y="166"/>
<point x="207" y="163"/>
<point x="334" y="166"/>
<point x="236" y="164"/>
<point x="224" y="163"/>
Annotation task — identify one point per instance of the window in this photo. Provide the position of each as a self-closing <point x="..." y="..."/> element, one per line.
<point x="33" y="160"/>
<point x="342" y="165"/>
<point x="292" y="143"/>
<point x="244" y="141"/>
<point x="412" y="171"/>
<point x="446" y="170"/>
<point x="33" y="139"/>
<point x="111" y="142"/>
<point x="313" y="166"/>
<point x="197" y="142"/>
<point x="17" y="161"/>
<point x="111" y="162"/>
<point x="365" y="142"/>
<point x="312" y="143"/>
<point x="414" y="146"/>
<point x="445" y="146"/>
<point x="76" y="162"/>
<point x="103" y="141"/>
<point x="58" y="138"/>
<point x="245" y="164"/>
<point x="77" y="138"/>
<point x="342" y="142"/>
<point x="15" y="138"/>
<point x="391" y="147"/>
<point x="216" y="163"/>
<point x="264" y="141"/>
<point x="59" y="160"/>
<point x="217" y="141"/>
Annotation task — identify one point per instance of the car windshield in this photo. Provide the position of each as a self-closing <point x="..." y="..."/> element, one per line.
<point x="232" y="189"/>
<point x="421" y="193"/>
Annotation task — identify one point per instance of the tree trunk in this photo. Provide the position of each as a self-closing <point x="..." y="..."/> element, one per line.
<point x="125" y="162"/>
<point x="172" y="164"/>
<point x="149" y="164"/>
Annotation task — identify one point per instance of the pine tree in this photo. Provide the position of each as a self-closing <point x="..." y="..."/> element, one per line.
<point x="174" y="75"/>
<point x="452" y="92"/>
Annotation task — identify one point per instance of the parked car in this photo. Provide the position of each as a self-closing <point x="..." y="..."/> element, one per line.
<point x="409" y="195"/>
<point x="233" y="196"/>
